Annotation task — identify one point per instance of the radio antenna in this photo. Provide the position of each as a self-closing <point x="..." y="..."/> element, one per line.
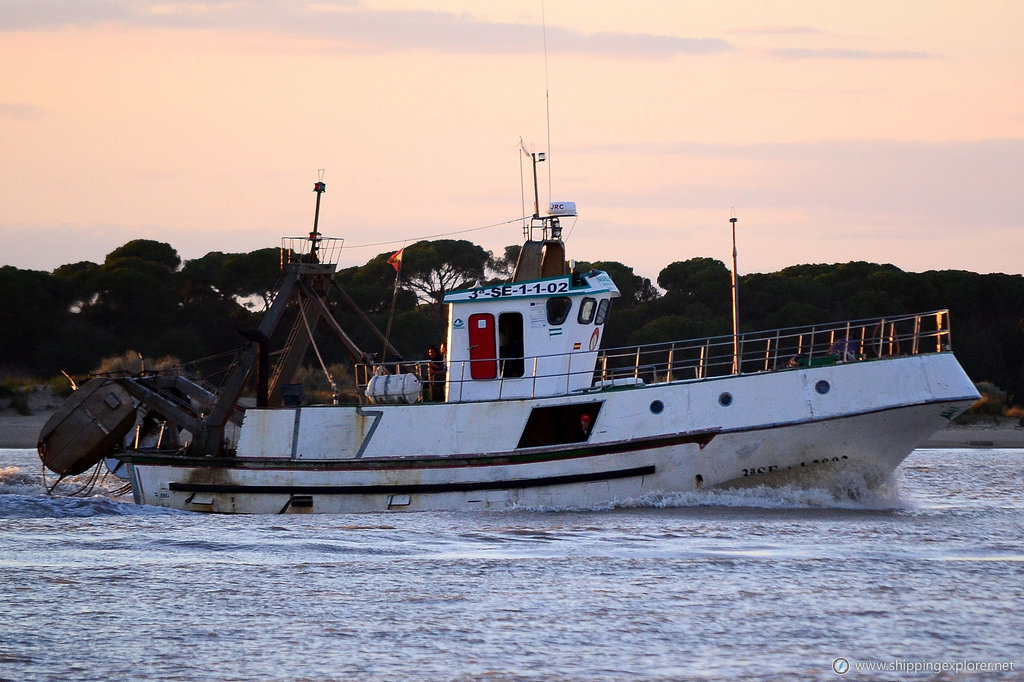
<point x="522" y="188"/>
<point x="547" y="91"/>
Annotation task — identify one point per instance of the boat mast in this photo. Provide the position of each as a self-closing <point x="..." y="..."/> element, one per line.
<point x="735" y="302"/>
<point x="535" y="157"/>
<point x="314" y="237"/>
<point x="536" y="195"/>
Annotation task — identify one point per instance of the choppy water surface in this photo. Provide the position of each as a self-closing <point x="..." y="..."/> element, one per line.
<point x="721" y="584"/>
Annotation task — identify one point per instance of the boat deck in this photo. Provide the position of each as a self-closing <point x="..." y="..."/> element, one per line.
<point x="783" y="349"/>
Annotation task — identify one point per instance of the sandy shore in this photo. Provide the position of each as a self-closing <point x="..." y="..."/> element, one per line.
<point x="997" y="433"/>
<point x="22" y="431"/>
<point x="17" y="431"/>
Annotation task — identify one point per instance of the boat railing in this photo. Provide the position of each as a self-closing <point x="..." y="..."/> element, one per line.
<point x="697" y="359"/>
<point x="779" y="349"/>
<point x="323" y="250"/>
<point x="508" y="385"/>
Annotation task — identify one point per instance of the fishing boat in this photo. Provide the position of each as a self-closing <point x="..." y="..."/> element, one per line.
<point x="526" y="409"/>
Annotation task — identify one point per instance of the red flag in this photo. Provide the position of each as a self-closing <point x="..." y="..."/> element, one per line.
<point x="396" y="259"/>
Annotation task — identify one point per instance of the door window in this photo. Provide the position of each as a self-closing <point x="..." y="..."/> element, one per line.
<point x="510" y="344"/>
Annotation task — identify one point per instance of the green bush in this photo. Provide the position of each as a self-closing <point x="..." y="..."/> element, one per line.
<point x="60" y="386"/>
<point x="317" y="390"/>
<point x="20" y="405"/>
<point x="133" y="362"/>
<point x="992" y="402"/>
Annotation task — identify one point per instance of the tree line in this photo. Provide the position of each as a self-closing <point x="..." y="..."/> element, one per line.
<point x="143" y="298"/>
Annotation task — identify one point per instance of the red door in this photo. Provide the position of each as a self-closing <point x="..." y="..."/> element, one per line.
<point x="483" y="358"/>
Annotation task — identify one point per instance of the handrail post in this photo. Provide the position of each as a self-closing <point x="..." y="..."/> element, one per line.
<point x="533" y="389"/>
<point x="462" y="379"/>
<point x="738" y="366"/>
<point x="568" y="373"/>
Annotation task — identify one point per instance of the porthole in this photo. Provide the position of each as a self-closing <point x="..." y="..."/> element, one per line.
<point x="725" y="400"/>
<point x="657" y="406"/>
<point x="822" y="387"/>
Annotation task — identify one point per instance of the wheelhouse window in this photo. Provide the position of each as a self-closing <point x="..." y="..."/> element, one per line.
<point x="510" y="344"/>
<point x="558" y="309"/>
<point x="603" y="308"/>
<point x="587" y="308"/>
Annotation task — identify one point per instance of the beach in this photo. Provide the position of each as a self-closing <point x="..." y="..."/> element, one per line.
<point x="1001" y="432"/>
<point x="22" y="431"/>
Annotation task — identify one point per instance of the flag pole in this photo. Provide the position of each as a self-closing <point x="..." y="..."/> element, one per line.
<point x="396" y="263"/>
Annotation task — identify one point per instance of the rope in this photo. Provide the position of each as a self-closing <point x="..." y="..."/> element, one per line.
<point x="123" y="490"/>
<point x="571" y="228"/>
<point x="312" y="341"/>
<point x="435" y="236"/>
<point x="82" y="491"/>
<point x="117" y="373"/>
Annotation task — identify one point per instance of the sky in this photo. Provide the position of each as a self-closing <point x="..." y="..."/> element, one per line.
<point x="885" y="131"/>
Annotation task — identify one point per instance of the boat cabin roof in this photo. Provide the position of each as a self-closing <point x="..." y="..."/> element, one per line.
<point x="590" y="284"/>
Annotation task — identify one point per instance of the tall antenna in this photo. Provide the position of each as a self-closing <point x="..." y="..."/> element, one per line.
<point x="522" y="188"/>
<point x="547" y="91"/>
<point x="735" y="299"/>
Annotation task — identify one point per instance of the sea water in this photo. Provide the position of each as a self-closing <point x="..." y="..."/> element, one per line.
<point x="923" y="577"/>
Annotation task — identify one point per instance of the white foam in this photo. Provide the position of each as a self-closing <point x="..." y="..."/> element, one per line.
<point x="845" y="488"/>
<point x="23" y="495"/>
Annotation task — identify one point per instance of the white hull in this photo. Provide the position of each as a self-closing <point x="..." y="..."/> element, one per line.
<point x="649" y="440"/>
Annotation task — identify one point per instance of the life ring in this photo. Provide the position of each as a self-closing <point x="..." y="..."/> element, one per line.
<point x="594" y="338"/>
